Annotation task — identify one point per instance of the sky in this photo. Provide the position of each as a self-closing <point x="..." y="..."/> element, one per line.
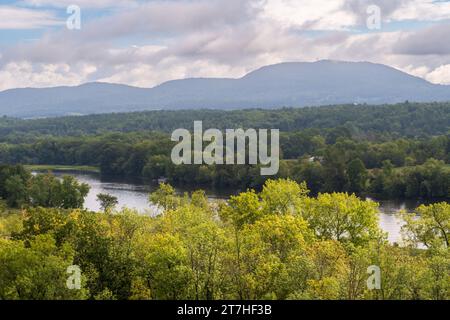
<point x="145" y="43"/>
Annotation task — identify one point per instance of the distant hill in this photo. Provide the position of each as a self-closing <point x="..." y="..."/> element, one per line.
<point x="282" y="85"/>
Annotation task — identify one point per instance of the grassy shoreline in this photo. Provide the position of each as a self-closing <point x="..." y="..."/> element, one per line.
<point x="92" y="169"/>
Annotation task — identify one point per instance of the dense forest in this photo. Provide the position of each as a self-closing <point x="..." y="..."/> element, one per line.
<point x="279" y="243"/>
<point x="388" y="152"/>
<point x="407" y="120"/>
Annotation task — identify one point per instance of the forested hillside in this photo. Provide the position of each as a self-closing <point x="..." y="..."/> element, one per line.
<point x="402" y="120"/>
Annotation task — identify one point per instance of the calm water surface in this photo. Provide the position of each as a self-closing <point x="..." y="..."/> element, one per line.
<point x="135" y="195"/>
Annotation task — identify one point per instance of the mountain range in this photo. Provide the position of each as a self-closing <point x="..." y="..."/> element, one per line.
<point x="296" y="84"/>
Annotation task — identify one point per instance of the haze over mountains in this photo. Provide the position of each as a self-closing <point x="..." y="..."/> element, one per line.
<point x="282" y="85"/>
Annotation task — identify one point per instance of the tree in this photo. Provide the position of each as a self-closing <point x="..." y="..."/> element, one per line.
<point x="242" y="209"/>
<point x="73" y="193"/>
<point x="156" y="167"/>
<point x="357" y="175"/>
<point x="165" y="197"/>
<point x="50" y="192"/>
<point x="323" y="268"/>
<point x="37" y="271"/>
<point x="107" y="202"/>
<point x="342" y="217"/>
<point x="16" y="190"/>
<point x="20" y="176"/>
<point x="312" y="173"/>
<point x="404" y="275"/>
<point x="283" y="196"/>
<point x="166" y="265"/>
<point x="267" y="247"/>
<point x="431" y="227"/>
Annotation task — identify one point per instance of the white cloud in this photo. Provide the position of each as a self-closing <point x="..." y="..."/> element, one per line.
<point x="309" y="14"/>
<point x="23" y="18"/>
<point x="345" y="14"/>
<point x="421" y="71"/>
<point x="440" y="75"/>
<point x="221" y="38"/>
<point x="423" y="10"/>
<point x="24" y="74"/>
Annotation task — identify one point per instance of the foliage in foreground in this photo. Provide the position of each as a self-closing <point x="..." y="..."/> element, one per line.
<point x="276" y="244"/>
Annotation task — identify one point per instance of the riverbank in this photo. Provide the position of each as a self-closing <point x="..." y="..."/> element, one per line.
<point x="63" y="168"/>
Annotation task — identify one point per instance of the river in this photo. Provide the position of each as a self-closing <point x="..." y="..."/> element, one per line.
<point x="135" y="196"/>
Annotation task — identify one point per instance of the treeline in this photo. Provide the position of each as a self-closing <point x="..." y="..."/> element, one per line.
<point x="335" y="162"/>
<point x="428" y="181"/>
<point x="276" y="244"/>
<point x="363" y="121"/>
<point x="21" y="189"/>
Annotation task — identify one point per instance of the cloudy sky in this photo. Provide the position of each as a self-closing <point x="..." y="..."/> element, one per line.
<point x="144" y="43"/>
